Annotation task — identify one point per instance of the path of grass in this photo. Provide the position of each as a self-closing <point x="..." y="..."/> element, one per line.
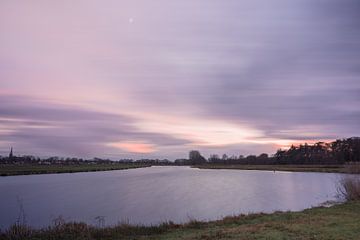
<point x="10" y="170"/>
<point x="291" y="168"/>
<point x="337" y="222"/>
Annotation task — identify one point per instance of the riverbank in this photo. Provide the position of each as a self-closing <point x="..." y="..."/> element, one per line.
<point x="288" y="168"/>
<point x="337" y="222"/>
<point x="27" y="169"/>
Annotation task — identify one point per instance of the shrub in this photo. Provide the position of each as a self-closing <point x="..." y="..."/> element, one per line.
<point x="349" y="188"/>
<point x="18" y="232"/>
<point x="352" y="167"/>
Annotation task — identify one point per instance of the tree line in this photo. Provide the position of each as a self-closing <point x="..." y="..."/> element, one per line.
<point x="337" y="152"/>
<point x="32" y="160"/>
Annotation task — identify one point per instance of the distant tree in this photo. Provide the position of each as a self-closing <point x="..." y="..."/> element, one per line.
<point x="280" y="156"/>
<point x="251" y="159"/>
<point x="263" y="156"/>
<point x="214" y="158"/>
<point x="196" y="158"/>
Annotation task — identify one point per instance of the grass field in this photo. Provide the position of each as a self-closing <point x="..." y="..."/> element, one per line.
<point x="10" y="170"/>
<point x="337" y="222"/>
<point x="291" y="168"/>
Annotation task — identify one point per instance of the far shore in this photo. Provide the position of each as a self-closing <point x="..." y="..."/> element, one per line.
<point x="30" y="169"/>
<point x="287" y="168"/>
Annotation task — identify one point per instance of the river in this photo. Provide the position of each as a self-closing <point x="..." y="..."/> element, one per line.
<point x="157" y="194"/>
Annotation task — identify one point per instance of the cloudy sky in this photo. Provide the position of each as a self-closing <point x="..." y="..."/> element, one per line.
<point x="142" y="78"/>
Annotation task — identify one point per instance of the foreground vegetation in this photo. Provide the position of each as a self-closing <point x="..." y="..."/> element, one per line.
<point x="336" y="222"/>
<point x="27" y="169"/>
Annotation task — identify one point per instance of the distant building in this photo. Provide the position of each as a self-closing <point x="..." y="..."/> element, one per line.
<point x="11" y="153"/>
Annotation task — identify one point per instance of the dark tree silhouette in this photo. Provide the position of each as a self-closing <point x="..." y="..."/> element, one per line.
<point x="196" y="158"/>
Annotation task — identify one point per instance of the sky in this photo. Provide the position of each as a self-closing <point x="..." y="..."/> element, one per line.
<point x="155" y="79"/>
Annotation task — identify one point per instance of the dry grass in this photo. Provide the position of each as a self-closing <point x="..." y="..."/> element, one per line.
<point x="336" y="222"/>
<point x="349" y="188"/>
<point x="18" y="232"/>
<point x="353" y="167"/>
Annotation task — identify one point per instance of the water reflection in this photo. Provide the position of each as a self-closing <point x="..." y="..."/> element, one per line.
<point x="156" y="194"/>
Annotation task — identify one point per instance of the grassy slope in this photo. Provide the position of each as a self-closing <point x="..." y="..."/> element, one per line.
<point x="337" y="222"/>
<point x="10" y="170"/>
<point x="291" y="168"/>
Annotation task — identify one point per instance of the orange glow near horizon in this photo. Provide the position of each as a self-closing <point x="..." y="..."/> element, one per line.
<point x="286" y="143"/>
<point x="200" y="131"/>
<point x="134" y="147"/>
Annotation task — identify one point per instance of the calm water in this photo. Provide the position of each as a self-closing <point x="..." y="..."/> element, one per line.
<point x="156" y="194"/>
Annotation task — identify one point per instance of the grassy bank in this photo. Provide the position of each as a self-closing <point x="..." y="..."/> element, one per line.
<point x="290" y="168"/>
<point x="337" y="222"/>
<point x="13" y="169"/>
<point x="28" y="169"/>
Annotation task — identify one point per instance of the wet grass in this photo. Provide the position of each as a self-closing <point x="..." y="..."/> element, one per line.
<point x="337" y="222"/>
<point x="27" y="169"/>
<point x="289" y="168"/>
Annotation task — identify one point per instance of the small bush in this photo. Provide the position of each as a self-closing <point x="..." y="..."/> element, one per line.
<point x="349" y="188"/>
<point x="193" y="223"/>
<point x="18" y="232"/>
<point x="352" y="167"/>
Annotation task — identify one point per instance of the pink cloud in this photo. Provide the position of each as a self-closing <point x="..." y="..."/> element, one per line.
<point x="134" y="147"/>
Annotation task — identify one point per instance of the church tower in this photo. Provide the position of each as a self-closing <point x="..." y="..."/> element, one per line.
<point x="11" y="153"/>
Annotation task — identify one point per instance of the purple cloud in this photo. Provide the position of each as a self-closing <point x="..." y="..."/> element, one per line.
<point x="178" y="73"/>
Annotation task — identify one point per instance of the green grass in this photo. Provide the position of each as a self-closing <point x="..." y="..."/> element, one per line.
<point x="290" y="168"/>
<point x="26" y="169"/>
<point x="337" y="222"/>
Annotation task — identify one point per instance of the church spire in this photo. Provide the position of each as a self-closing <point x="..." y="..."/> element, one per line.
<point x="11" y="153"/>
